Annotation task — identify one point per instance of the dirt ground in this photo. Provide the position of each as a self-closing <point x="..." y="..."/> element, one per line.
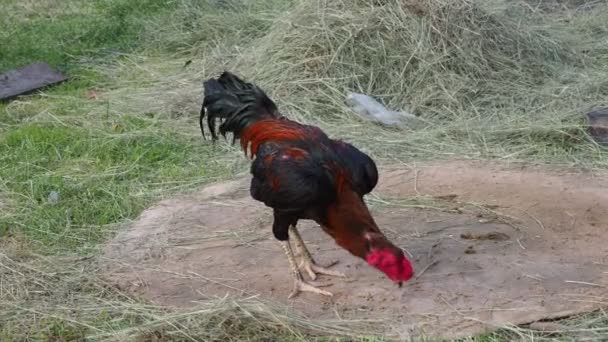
<point x="491" y="244"/>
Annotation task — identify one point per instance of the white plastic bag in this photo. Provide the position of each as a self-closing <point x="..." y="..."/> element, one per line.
<point x="367" y="107"/>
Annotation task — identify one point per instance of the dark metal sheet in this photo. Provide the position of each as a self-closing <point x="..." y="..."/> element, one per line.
<point x="27" y="79"/>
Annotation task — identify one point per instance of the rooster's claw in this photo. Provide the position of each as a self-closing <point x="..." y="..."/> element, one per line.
<point x="313" y="269"/>
<point x="302" y="286"/>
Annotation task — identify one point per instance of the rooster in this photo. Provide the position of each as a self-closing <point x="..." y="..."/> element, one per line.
<point x="301" y="173"/>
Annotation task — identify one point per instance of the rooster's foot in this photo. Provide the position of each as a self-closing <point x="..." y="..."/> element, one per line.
<point x="303" y="286"/>
<point x="313" y="269"/>
<point x="308" y="263"/>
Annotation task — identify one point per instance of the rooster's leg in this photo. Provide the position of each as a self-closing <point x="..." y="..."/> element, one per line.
<point x="299" y="284"/>
<point x="308" y="262"/>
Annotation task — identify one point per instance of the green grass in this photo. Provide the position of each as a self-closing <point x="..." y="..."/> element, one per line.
<point x="494" y="81"/>
<point x="103" y="176"/>
<point x="59" y="32"/>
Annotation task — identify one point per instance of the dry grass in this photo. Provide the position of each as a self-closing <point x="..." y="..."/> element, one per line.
<point x="495" y="79"/>
<point x="52" y="298"/>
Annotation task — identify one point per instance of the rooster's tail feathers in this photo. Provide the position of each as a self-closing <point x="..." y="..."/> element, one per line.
<point x="235" y="102"/>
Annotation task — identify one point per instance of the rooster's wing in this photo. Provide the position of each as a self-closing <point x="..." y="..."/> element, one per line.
<point x="289" y="179"/>
<point x="292" y="182"/>
<point x="361" y="168"/>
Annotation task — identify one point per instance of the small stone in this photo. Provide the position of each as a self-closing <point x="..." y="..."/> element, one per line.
<point x="53" y="197"/>
<point x="470" y="250"/>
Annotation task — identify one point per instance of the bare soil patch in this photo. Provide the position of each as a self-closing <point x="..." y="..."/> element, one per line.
<point x="498" y="244"/>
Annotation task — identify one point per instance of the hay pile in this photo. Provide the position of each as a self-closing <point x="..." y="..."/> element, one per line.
<point x="493" y="79"/>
